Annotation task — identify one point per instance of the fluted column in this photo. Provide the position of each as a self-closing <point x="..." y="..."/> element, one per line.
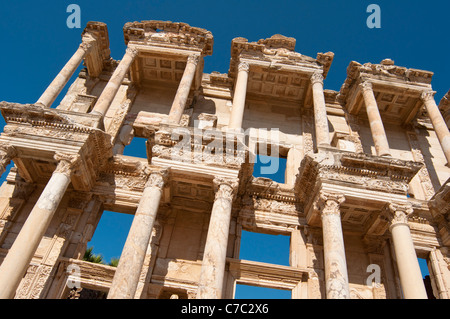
<point x="210" y="285"/>
<point x="439" y="125"/>
<point x="336" y="276"/>
<point x="179" y="102"/>
<point x="7" y="153"/>
<point x="22" y="251"/>
<point x="240" y="91"/>
<point x="59" y="82"/>
<point x="126" y="278"/>
<point x="320" y="110"/>
<point x="110" y="90"/>
<point x="405" y="253"/>
<point x="376" y="124"/>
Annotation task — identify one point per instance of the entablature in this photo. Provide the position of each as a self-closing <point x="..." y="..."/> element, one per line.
<point x="397" y="90"/>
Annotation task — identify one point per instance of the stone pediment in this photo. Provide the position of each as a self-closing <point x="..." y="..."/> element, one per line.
<point x="169" y="34"/>
<point x="277" y="50"/>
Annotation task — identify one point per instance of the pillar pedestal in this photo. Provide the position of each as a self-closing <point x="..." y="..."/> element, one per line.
<point x="59" y="82"/>
<point x="129" y="269"/>
<point x="210" y="285"/>
<point x="22" y="251"/>
<point x="110" y="90"/>
<point x="179" y="102"/>
<point x="439" y="125"/>
<point x="336" y="276"/>
<point x="376" y="124"/>
<point x="405" y="253"/>
<point x="240" y="91"/>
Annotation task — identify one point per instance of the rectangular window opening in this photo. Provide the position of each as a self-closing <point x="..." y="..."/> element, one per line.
<point x="273" y="249"/>
<point x="109" y="238"/>
<point x="423" y="263"/>
<point x="137" y="148"/>
<point x="270" y="166"/>
<point x="255" y="292"/>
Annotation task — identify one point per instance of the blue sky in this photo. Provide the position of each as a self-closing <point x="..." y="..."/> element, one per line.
<point x="36" y="42"/>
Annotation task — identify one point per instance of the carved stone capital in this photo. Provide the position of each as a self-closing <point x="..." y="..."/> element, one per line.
<point x="133" y="52"/>
<point x="225" y="187"/>
<point x="158" y="178"/>
<point x="366" y="86"/>
<point x="87" y="45"/>
<point x="243" y="66"/>
<point x="7" y="153"/>
<point x="66" y="163"/>
<point x="398" y="214"/>
<point x="316" y="77"/>
<point x="193" y="59"/>
<point x="329" y="203"/>
<point x="427" y="95"/>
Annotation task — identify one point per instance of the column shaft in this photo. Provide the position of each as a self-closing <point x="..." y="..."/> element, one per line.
<point x="214" y="257"/>
<point x="22" y="251"/>
<point x="375" y="122"/>
<point x="110" y="90"/>
<point x="439" y="125"/>
<point x="405" y="253"/>
<point x="336" y="276"/>
<point x="128" y="271"/>
<point x="240" y="91"/>
<point x="59" y="82"/>
<point x="320" y="110"/>
<point x="179" y="102"/>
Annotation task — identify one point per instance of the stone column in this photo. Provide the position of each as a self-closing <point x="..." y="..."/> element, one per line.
<point x="179" y="102"/>
<point x="60" y="81"/>
<point x="375" y="122"/>
<point x="320" y="110"/>
<point x="128" y="271"/>
<point x="407" y="263"/>
<point x="336" y="277"/>
<point x="439" y="125"/>
<point x="240" y="91"/>
<point x="110" y="90"/>
<point x="7" y="153"/>
<point x="22" y="251"/>
<point x="210" y="285"/>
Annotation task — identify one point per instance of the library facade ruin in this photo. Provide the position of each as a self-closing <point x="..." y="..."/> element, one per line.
<point x="366" y="188"/>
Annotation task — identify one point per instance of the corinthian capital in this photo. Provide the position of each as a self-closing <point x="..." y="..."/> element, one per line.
<point x="366" y="85"/>
<point x="193" y="59"/>
<point x="132" y="51"/>
<point x="87" y="44"/>
<point x="427" y="95"/>
<point x="66" y="163"/>
<point x="158" y="178"/>
<point x="398" y="214"/>
<point x="7" y="152"/>
<point x="329" y="203"/>
<point x="225" y="187"/>
<point x="316" y="77"/>
<point x="243" y="66"/>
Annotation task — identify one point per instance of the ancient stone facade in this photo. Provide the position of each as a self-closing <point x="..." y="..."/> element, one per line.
<point x="366" y="189"/>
